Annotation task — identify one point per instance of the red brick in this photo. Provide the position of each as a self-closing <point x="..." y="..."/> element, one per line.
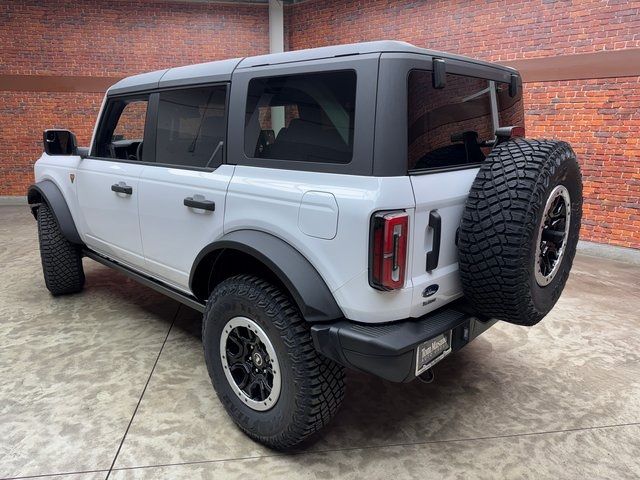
<point x="113" y="39"/>
<point x="600" y="117"/>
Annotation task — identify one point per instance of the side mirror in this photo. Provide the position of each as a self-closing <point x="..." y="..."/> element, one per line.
<point x="60" y="142"/>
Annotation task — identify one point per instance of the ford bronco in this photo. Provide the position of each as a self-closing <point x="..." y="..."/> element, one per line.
<point x="374" y="206"/>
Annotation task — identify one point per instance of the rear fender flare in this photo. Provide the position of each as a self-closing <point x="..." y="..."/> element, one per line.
<point x="307" y="288"/>
<point x="46" y="191"/>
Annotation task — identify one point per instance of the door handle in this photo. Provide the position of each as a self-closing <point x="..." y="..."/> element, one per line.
<point x="433" y="256"/>
<point x="200" y="203"/>
<point x="118" y="188"/>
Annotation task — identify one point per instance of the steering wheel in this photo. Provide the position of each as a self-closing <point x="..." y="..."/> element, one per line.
<point x="139" y="152"/>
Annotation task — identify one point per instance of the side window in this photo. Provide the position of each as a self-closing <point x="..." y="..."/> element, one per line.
<point x="121" y="130"/>
<point x="130" y="125"/>
<point x="191" y="126"/>
<point x="306" y="117"/>
<point x="456" y="125"/>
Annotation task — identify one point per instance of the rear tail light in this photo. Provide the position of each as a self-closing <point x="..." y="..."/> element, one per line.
<point x="388" y="250"/>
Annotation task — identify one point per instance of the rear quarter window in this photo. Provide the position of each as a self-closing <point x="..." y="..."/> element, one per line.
<point x="455" y="126"/>
<point x="307" y="117"/>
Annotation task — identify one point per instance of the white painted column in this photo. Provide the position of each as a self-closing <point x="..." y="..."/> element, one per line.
<point x="276" y="45"/>
<point x="276" y="26"/>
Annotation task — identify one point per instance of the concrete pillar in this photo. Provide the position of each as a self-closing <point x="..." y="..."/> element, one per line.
<point x="276" y="26"/>
<point x="276" y="45"/>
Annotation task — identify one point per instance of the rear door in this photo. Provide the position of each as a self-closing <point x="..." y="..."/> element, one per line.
<point x="182" y="195"/>
<point x="450" y="132"/>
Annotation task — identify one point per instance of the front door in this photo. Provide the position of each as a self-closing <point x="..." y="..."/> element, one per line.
<point x="107" y="181"/>
<point x="182" y="196"/>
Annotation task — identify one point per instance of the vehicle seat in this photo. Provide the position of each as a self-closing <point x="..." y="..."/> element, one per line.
<point x="309" y="141"/>
<point x="468" y="151"/>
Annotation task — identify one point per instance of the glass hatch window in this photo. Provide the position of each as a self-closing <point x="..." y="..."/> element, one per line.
<point x="307" y="118"/>
<point x="455" y="126"/>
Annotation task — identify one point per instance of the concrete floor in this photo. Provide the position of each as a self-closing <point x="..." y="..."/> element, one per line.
<point x="111" y="382"/>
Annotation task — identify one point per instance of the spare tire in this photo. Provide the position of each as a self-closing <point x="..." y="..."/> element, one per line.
<point x="519" y="230"/>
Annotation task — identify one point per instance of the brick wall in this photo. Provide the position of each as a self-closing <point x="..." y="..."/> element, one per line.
<point x="601" y="118"/>
<point x="487" y="29"/>
<point x="23" y="117"/>
<point x="102" y="39"/>
<point x="118" y="38"/>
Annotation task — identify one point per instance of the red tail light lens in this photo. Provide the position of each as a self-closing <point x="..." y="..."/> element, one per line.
<point x="388" y="250"/>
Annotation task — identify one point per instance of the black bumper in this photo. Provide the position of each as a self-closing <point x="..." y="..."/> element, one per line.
<point x="389" y="350"/>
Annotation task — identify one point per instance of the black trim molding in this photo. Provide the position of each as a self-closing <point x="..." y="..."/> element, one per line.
<point x="48" y="192"/>
<point x="307" y="288"/>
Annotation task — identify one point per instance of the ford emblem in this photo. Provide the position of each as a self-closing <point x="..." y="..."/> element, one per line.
<point x="430" y="290"/>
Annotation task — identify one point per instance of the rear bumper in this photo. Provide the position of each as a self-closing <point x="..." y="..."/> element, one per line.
<point x="389" y="350"/>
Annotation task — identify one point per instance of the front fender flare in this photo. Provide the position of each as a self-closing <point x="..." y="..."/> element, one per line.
<point x="302" y="280"/>
<point x="48" y="192"/>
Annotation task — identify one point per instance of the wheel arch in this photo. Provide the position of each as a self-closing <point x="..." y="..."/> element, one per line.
<point x="253" y="251"/>
<point x="46" y="191"/>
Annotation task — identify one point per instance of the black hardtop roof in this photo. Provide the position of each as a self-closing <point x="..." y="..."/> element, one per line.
<point x="221" y="70"/>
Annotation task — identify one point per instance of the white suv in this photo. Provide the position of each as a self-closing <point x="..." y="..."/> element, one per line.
<point x="373" y="206"/>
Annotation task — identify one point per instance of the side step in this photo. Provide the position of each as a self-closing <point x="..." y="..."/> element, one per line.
<point x="188" y="300"/>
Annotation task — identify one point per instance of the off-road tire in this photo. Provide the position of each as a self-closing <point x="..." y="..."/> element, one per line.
<point x="500" y="224"/>
<point x="312" y="385"/>
<point x="61" y="259"/>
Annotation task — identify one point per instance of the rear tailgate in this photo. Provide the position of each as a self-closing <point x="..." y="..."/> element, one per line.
<point x="440" y="199"/>
<point x="451" y="131"/>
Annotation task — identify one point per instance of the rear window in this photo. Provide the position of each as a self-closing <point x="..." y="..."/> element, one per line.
<point x="455" y="126"/>
<point x="307" y="118"/>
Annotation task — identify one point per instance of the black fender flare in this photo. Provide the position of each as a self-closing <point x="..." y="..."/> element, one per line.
<point x="302" y="280"/>
<point x="46" y="191"/>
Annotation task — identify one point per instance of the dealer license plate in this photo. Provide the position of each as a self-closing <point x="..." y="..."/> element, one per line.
<point x="432" y="351"/>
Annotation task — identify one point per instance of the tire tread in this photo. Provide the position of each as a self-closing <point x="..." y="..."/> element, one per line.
<point x="321" y="388"/>
<point x="499" y="223"/>
<point x="61" y="259"/>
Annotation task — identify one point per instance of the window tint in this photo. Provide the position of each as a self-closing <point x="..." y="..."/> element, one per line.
<point x="455" y="125"/>
<point x="191" y="125"/>
<point x="302" y="117"/>
<point x="122" y="128"/>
